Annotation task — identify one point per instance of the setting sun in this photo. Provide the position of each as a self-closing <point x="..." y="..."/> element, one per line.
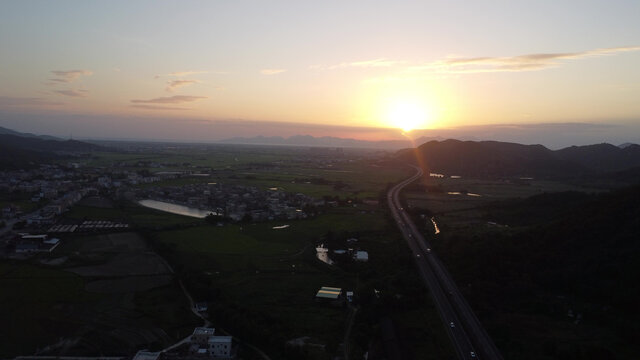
<point x="406" y="116"/>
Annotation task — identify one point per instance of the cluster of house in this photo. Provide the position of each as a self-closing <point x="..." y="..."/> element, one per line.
<point x="236" y="202"/>
<point x="28" y="243"/>
<point x="355" y="253"/>
<point x="203" y="344"/>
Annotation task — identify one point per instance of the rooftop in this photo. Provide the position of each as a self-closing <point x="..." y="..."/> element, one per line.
<point x="146" y="355"/>
<point x="328" y="292"/>
<point x="220" y="339"/>
<point x="204" y="331"/>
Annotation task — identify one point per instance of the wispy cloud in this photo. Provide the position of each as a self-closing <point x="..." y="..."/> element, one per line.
<point x="177" y="99"/>
<point x="73" y="93"/>
<point x="155" y="107"/>
<point x="272" y="71"/>
<point x="528" y="62"/>
<point x="175" y="84"/>
<point x="26" y="101"/>
<point x="68" y="76"/>
<point x="183" y="73"/>
<point x="374" y="63"/>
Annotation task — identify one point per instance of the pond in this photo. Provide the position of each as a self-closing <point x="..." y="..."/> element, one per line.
<point x="175" y="208"/>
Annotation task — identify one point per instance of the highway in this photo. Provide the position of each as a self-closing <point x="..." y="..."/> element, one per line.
<point x="469" y="338"/>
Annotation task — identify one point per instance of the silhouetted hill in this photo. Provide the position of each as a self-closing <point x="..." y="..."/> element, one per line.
<point x="574" y="254"/>
<point x="490" y="159"/>
<point x="21" y="152"/>
<point x="5" y="131"/>
<point x="56" y="146"/>
<point x="602" y="157"/>
<point x="502" y="159"/>
<point x="13" y="158"/>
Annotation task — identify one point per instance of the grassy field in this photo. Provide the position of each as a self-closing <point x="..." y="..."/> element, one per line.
<point x="272" y="276"/>
<point x="36" y="303"/>
<point x="454" y="195"/>
<point x="105" y="293"/>
<point x="266" y="167"/>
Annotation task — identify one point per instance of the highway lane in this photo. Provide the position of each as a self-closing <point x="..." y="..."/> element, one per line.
<point x="467" y="335"/>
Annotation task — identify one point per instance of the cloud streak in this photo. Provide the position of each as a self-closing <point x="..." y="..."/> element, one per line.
<point x="528" y="62"/>
<point x="68" y="76"/>
<point x="487" y="64"/>
<point x="73" y="93"/>
<point x="374" y="63"/>
<point x="182" y="73"/>
<point x="175" y="84"/>
<point x="177" y="99"/>
<point x="155" y="107"/>
<point x="272" y="71"/>
<point x="26" y="101"/>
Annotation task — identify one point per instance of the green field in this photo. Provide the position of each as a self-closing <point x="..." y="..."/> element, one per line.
<point x="102" y="293"/>
<point x="271" y="276"/>
<point x="36" y="304"/>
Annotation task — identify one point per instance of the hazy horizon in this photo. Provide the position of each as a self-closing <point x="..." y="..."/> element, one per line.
<point x="551" y="135"/>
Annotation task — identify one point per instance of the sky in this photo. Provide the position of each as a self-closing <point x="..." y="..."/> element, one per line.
<point x="550" y="72"/>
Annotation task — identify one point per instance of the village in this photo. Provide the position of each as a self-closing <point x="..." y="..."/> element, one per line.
<point x="36" y="199"/>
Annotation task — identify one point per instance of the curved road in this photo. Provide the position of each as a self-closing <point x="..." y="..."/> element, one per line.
<point x="469" y="338"/>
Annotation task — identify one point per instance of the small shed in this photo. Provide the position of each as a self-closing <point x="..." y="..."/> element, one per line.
<point x="361" y="256"/>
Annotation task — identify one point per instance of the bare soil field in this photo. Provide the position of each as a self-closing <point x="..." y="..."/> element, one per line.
<point x="97" y="201"/>
<point x="126" y="264"/>
<point x="131" y="283"/>
<point x="118" y="242"/>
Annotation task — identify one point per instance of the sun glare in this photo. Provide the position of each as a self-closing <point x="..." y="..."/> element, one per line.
<point x="407" y="116"/>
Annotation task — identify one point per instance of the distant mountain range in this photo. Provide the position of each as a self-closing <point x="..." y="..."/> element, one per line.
<point x="327" y="141"/>
<point x="331" y="141"/>
<point x="23" y="150"/>
<point x="502" y="159"/>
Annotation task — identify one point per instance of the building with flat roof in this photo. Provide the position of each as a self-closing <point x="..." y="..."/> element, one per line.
<point x="361" y="255"/>
<point x="330" y="293"/>
<point x="146" y="355"/>
<point x="220" y="347"/>
<point x="201" y="336"/>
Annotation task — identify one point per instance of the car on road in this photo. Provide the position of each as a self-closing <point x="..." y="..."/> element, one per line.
<point x="473" y="354"/>
<point x="418" y="255"/>
<point x="452" y="324"/>
<point x="428" y="249"/>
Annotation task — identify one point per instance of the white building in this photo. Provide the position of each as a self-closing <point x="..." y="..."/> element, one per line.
<point x="205" y="342"/>
<point x="201" y="336"/>
<point x="220" y="347"/>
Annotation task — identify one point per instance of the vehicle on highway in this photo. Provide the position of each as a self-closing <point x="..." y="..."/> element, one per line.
<point x="473" y="354"/>
<point x="428" y="249"/>
<point x="418" y="255"/>
<point x="452" y="324"/>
